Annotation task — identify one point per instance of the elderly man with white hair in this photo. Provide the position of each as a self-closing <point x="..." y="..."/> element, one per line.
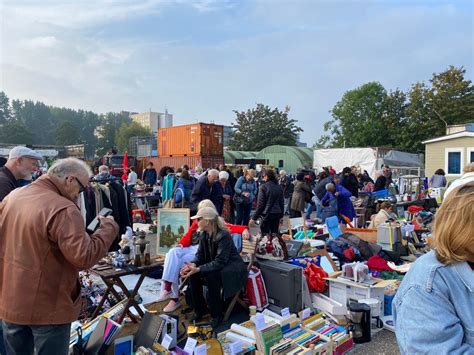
<point x="204" y="189"/>
<point x="43" y="246"/>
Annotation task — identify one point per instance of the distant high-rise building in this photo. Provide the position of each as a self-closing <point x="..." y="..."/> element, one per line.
<point x="153" y="120"/>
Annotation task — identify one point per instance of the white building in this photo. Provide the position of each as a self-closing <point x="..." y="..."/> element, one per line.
<point x="153" y="120"/>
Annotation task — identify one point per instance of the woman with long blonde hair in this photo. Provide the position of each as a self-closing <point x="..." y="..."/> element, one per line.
<point x="434" y="306"/>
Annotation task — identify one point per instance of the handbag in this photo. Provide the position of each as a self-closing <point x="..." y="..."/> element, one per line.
<point x="240" y="199"/>
<point x="271" y="247"/>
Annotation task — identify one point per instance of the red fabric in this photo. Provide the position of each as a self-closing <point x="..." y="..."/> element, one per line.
<point x="186" y="240"/>
<point x="125" y="166"/>
<point x="315" y="278"/>
<point x="349" y="253"/>
<point x="378" y="263"/>
<point x="415" y="209"/>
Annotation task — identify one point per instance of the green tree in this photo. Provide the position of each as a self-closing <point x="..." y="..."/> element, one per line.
<point x="127" y="131"/>
<point x="109" y="126"/>
<point x="262" y="126"/>
<point x="5" y="110"/>
<point x="67" y="133"/>
<point x="448" y="100"/>
<point x="360" y="117"/>
<point x="15" y="132"/>
<point x="368" y="116"/>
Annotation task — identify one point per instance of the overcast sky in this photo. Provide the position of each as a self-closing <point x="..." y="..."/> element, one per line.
<point x="202" y="59"/>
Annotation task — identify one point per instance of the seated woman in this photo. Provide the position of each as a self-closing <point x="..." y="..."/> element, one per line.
<point x="385" y="213"/>
<point x="434" y="306"/>
<point x="218" y="262"/>
<point x="183" y="253"/>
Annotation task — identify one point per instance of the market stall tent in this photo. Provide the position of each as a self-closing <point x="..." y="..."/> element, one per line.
<point x="370" y="159"/>
<point x="287" y="158"/>
<point x="230" y="156"/>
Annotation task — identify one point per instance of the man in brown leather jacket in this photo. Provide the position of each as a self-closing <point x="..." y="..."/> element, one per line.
<point x="43" y="246"/>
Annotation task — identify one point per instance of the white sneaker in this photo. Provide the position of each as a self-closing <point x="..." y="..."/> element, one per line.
<point x="171" y="306"/>
<point x="164" y="295"/>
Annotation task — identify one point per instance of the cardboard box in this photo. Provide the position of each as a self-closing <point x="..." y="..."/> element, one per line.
<point x="345" y="291"/>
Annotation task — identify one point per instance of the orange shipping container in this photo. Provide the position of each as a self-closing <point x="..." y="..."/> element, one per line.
<point x="195" y="139"/>
<point x="191" y="161"/>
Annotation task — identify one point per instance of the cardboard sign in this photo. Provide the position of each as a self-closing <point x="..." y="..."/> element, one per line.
<point x="190" y="346"/>
<point x="200" y="349"/>
<point x="306" y="313"/>
<point x="167" y="342"/>
<point x="285" y="312"/>
<point x="259" y="321"/>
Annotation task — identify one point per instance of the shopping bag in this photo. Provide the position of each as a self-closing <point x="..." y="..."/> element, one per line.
<point x="271" y="247"/>
<point x="256" y="291"/>
<point x="315" y="278"/>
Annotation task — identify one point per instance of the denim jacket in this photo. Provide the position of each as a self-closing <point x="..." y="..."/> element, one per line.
<point x="434" y="308"/>
<point x="243" y="185"/>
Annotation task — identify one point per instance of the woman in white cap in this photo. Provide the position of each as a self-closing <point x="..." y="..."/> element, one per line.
<point x="184" y="252"/>
<point x="218" y="262"/>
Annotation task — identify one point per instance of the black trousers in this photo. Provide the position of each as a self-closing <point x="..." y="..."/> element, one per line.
<point x="271" y="224"/>
<point x="214" y="287"/>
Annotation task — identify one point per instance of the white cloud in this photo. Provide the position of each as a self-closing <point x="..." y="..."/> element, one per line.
<point x="40" y="42"/>
<point x="302" y="53"/>
<point x="78" y="14"/>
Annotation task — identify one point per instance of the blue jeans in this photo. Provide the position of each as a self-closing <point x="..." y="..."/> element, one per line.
<point x="2" y="344"/>
<point x="243" y="214"/>
<point x="309" y="210"/>
<point x="36" y="339"/>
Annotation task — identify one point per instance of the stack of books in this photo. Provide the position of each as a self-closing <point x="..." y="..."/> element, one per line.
<point x="102" y="336"/>
<point x="314" y="322"/>
<point x="287" y="346"/>
<point x="89" y="327"/>
<point x="341" y="339"/>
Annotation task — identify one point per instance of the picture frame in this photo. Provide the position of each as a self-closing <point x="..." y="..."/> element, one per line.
<point x="172" y="224"/>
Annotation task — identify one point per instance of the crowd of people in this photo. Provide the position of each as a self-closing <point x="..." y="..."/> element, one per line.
<point x="42" y="240"/>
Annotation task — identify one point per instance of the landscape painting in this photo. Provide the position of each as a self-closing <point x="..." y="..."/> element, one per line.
<point x="173" y="223"/>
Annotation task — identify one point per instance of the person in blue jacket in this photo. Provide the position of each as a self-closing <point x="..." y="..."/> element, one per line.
<point x="433" y="309"/>
<point x="246" y="187"/>
<point x="343" y="196"/>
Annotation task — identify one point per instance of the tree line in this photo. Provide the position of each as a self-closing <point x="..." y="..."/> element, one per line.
<point x="370" y="116"/>
<point x="29" y="122"/>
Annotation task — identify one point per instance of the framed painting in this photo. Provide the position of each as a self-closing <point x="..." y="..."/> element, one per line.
<point x="172" y="224"/>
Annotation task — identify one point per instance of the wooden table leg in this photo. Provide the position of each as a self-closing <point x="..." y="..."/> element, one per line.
<point x="102" y="301"/>
<point x="131" y="296"/>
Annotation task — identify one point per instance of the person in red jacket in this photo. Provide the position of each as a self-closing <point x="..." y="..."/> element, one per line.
<point x="184" y="253"/>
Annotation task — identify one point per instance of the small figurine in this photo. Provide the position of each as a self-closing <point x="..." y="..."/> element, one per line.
<point x="126" y="244"/>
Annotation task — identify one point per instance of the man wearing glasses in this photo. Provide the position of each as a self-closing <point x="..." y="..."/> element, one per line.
<point x="43" y="246"/>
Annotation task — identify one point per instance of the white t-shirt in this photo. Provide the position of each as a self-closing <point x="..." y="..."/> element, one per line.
<point x="132" y="178"/>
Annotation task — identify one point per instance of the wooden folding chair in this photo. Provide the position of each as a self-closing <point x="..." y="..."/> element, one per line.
<point x="248" y="255"/>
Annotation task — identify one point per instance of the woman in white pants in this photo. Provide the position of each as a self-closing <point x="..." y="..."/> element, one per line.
<point x="184" y="253"/>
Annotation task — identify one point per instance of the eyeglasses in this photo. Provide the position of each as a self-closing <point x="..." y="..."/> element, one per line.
<point x="81" y="187"/>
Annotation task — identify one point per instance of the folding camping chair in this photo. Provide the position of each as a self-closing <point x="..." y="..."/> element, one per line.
<point x="332" y="223"/>
<point x="248" y="255"/>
